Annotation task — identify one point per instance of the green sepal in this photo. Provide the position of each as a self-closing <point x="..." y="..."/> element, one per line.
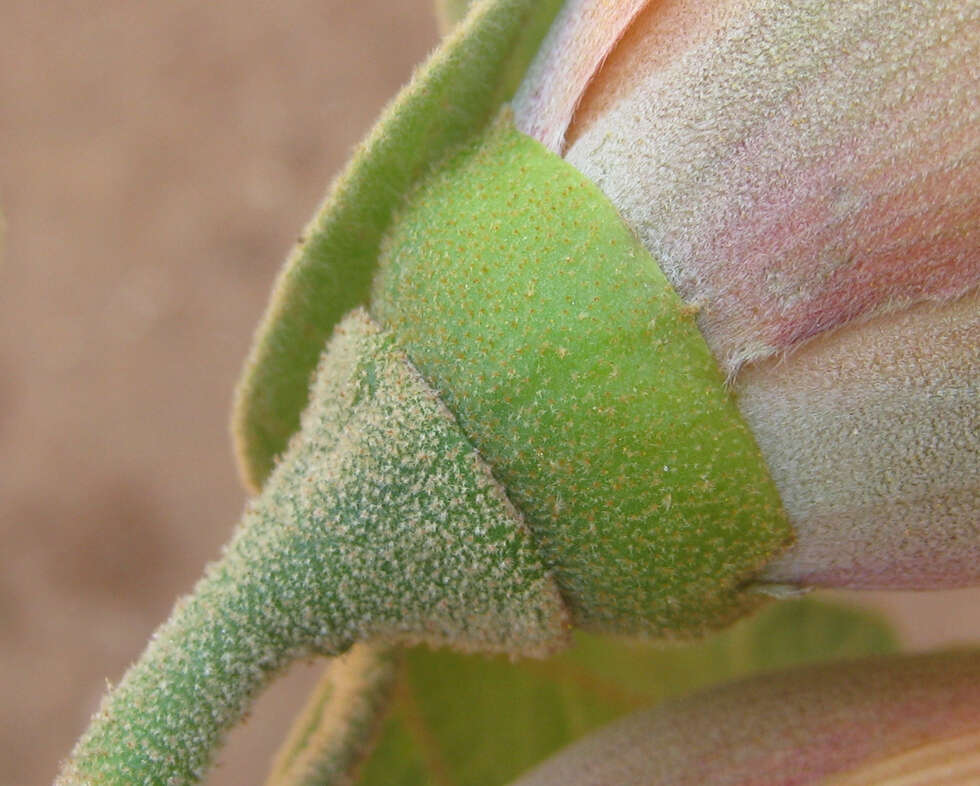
<point x="582" y="378"/>
<point x="451" y="98"/>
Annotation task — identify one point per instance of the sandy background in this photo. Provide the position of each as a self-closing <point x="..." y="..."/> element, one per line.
<point x="156" y="161"/>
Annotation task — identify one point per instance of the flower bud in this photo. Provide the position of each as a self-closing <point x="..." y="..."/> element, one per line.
<point x="805" y="174"/>
<point x="526" y="429"/>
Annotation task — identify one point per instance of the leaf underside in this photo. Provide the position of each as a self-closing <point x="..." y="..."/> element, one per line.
<point x="458" y="720"/>
<point x="474" y="721"/>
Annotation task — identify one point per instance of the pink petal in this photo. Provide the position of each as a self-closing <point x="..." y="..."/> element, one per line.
<point x="793" y="728"/>
<point x="793" y="166"/>
<point x="579" y="40"/>
<point x="872" y="435"/>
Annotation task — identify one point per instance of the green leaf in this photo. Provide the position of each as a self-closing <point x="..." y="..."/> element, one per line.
<point x="482" y="721"/>
<point x="451" y="98"/>
<point x="460" y="720"/>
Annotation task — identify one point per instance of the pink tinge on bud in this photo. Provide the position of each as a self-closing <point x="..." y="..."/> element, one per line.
<point x="792" y="165"/>
<point x="887" y="722"/>
<point x="806" y="174"/>
<point x="577" y="44"/>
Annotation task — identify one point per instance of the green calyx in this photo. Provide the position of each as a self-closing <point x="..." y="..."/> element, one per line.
<point x="581" y="377"/>
<point x="449" y="100"/>
<point x="549" y="331"/>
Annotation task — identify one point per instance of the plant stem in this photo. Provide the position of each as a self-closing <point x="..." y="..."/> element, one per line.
<point x="380" y="520"/>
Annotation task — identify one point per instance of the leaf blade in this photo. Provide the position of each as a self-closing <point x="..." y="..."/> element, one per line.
<point x="493" y="719"/>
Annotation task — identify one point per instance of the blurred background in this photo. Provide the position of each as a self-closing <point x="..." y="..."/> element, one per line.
<point x="157" y="160"/>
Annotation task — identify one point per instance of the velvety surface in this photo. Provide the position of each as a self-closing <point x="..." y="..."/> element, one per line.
<point x="156" y="162"/>
<point x="793" y="165"/>
<point x="803" y="172"/>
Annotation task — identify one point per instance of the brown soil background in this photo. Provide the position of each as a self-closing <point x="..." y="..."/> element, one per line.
<point x="156" y="161"/>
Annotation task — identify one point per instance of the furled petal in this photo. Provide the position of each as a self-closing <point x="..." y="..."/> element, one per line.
<point x="792" y="165"/>
<point x="579" y="42"/>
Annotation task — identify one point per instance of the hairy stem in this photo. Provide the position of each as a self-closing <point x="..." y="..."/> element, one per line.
<point x="380" y="520"/>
